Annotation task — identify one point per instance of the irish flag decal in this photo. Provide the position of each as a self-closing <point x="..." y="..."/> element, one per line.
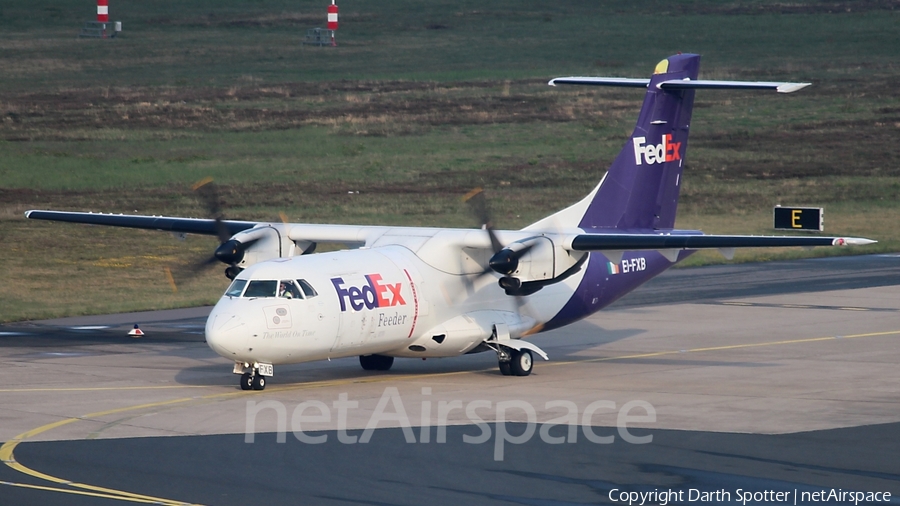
<point x="613" y="268"/>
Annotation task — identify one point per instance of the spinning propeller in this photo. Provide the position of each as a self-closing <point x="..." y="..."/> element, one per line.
<point x="229" y="251"/>
<point x="505" y="260"/>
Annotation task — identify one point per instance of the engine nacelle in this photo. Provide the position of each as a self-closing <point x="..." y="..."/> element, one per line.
<point x="262" y="243"/>
<point x="544" y="259"/>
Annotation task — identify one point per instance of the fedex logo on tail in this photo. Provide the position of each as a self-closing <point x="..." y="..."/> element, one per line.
<point x="666" y="151"/>
<point x="371" y="295"/>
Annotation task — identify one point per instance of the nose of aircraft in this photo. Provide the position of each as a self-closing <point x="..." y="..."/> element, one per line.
<point x="225" y="333"/>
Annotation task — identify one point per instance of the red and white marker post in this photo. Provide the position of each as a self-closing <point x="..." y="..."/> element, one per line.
<point x="103" y="11"/>
<point x="332" y="20"/>
<point x="103" y="14"/>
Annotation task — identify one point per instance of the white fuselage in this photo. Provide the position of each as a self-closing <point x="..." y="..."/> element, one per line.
<point x="383" y="300"/>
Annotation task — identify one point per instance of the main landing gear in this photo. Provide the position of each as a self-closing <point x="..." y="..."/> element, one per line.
<point x="515" y="357"/>
<point x="516" y="362"/>
<point x="376" y="362"/>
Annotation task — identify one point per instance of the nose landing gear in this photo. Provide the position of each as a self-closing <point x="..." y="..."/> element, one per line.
<point x="252" y="377"/>
<point x="253" y="381"/>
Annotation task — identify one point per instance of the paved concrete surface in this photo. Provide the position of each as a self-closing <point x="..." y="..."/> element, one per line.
<point x="791" y="388"/>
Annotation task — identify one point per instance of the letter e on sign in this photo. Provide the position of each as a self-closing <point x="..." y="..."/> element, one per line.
<point x="799" y="218"/>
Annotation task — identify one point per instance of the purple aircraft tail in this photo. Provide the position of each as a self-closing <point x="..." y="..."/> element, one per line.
<point x="640" y="191"/>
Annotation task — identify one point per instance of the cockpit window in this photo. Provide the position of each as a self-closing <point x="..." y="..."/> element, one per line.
<point x="307" y="288"/>
<point x="261" y="289"/>
<point x="237" y="286"/>
<point x="288" y="290"/>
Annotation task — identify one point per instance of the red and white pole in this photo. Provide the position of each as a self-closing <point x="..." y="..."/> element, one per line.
<point x="332" y="20"/>
<point x="103" y="11"/>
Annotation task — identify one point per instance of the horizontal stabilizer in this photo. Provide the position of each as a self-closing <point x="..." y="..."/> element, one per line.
<point x="602" y="81"/>
<point x="732" y="85"/>
<point x="631" y="242"/>
<point x="184" y="225"/>
<point x="682" y="84"/>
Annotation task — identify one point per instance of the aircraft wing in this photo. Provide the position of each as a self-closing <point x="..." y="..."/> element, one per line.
<point x="629" y="242"/>
<point x="355" y="235"/>
<point x="362" y="234"/>
<point x="168" y="224"/>
<point x="669" y="245"/>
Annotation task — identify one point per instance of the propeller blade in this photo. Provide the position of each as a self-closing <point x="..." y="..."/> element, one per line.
<point x="229" y="251"/>
<point x="186" y="273"/>
<point x="504" y="261"/>
<point x="205" y="263"/>
<point x="478" y="204"/>
<point x="171" y="279"/>
<point x="208" y="192"/>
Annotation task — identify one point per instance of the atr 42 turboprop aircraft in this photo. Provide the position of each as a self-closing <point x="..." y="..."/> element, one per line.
<point x="438" y="292"/>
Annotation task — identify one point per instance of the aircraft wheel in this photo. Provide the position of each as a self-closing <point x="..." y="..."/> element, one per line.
<point x="522" y="363"/>
<point x="376" y="362"/>
<point x="384" y="363"/>
<point x="246" y="381"/>
<point x="506" y="368"/>
<point x="259" y="382"/>
<point x="368" y="362"/>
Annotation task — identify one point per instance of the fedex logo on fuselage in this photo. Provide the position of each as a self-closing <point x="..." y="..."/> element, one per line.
<point x="666" y="151"/>
<point x="371" y="295"/>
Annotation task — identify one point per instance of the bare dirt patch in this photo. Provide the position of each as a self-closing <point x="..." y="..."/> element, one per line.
<point x="41" y="116"/>
<point x="745" y="8"/>
<point x="831" y="146"/>
<point x="424" y="186"/>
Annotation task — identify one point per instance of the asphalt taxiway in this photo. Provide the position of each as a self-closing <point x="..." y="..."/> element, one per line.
<point x="769" y="377"/>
